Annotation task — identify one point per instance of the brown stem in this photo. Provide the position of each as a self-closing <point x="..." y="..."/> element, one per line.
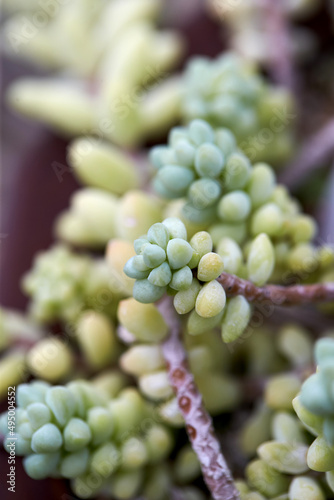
<point x="278" y="295"/>
<point x="315" y="151"/>
<point x="279" y="41"/>
<point x="198" y="422"/>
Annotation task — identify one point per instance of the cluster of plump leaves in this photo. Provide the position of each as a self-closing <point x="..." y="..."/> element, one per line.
<point x="166" y="262"/>
<point x="200" y="163"/>
<point x="216" y="188"/>
<point x="315" y="408"/>
<point x="254" y="225"/>
<point x="76" y="431"/>
<point x="286" y="456"/>
<point x="62" y="283"/>
<point x="230" y="92"/>
<point x="226" y="91"/>
<point x="163" y="260"/>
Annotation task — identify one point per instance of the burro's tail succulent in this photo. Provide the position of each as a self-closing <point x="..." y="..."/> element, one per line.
<point x="315" y="408"/>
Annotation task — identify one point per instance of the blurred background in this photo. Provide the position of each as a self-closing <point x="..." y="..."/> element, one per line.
<point x="32" y="195"/>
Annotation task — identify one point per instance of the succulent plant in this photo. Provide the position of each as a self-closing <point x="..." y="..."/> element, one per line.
<point x="127" y="361"/>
